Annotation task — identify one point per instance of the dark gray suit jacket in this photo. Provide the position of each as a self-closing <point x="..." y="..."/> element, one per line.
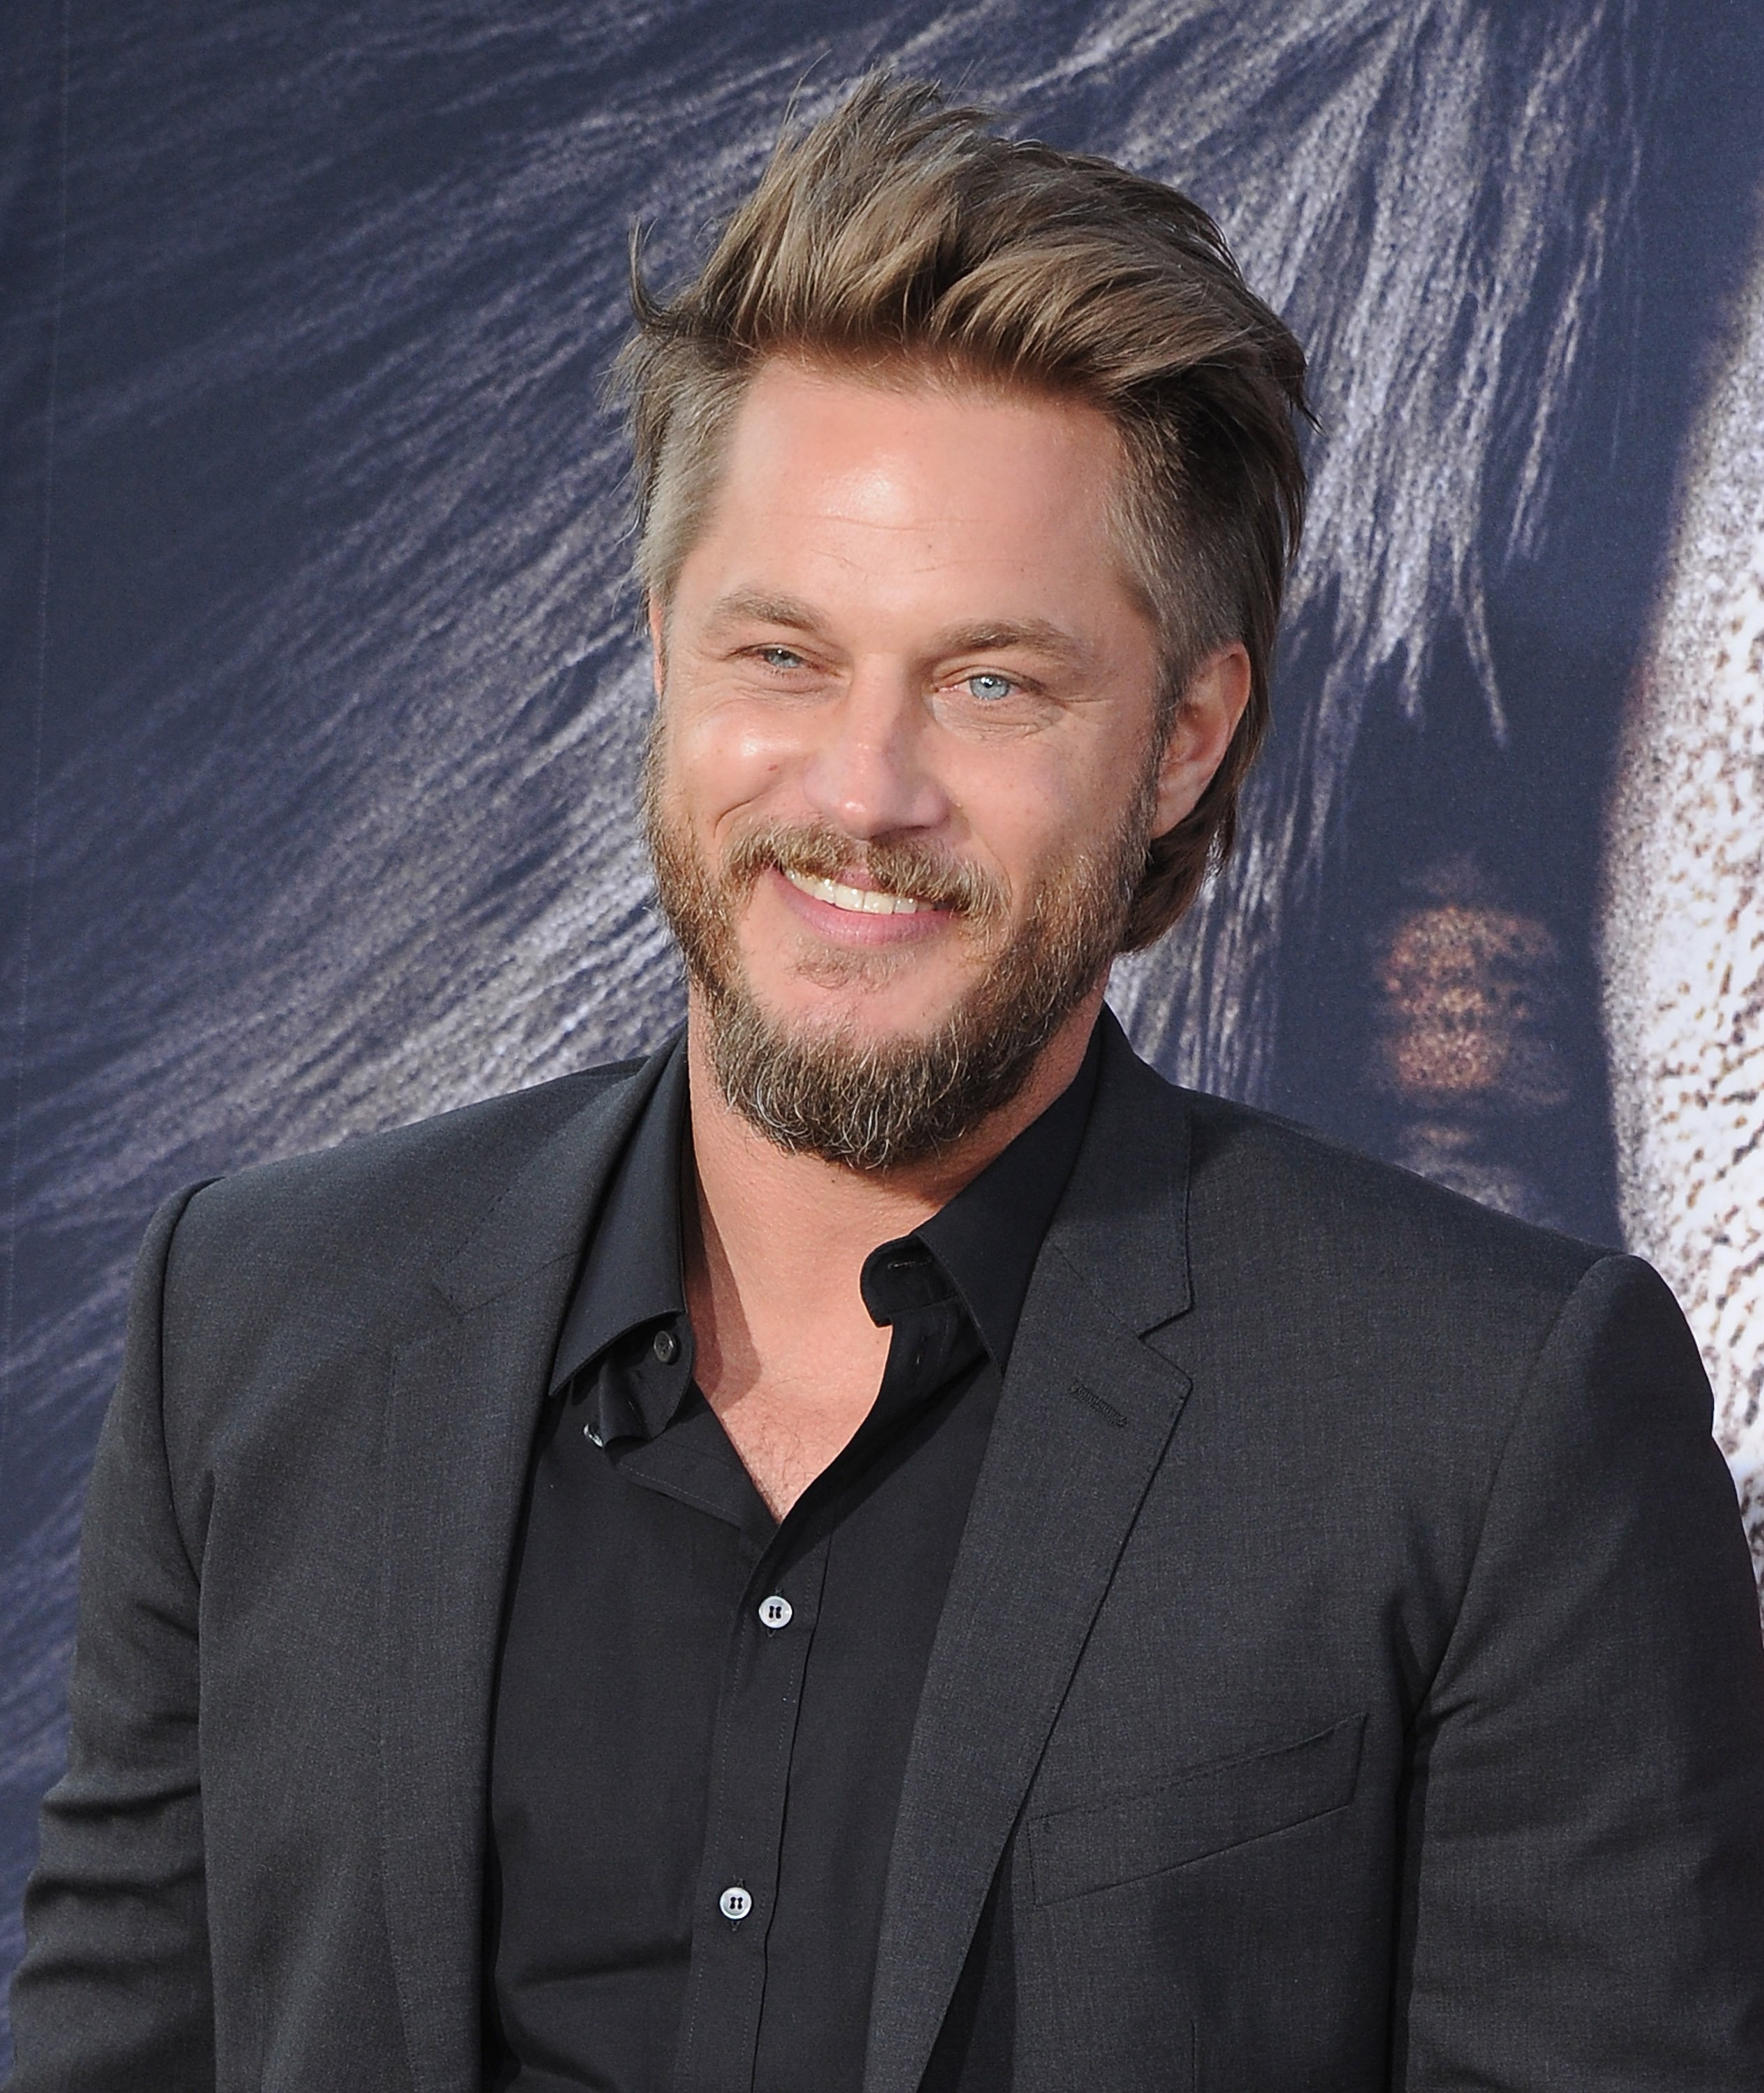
<point x="1350" y="1675"/>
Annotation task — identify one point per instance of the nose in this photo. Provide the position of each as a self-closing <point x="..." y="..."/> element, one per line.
<point x="872" y="772"/>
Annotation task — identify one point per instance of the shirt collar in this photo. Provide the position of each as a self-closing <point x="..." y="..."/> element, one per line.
<point x="631" y="1277"/>
<point x="986" y="1239"/>
<point x="631" y="1293"/>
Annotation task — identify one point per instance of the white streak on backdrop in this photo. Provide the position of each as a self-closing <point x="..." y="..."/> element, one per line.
<point x="1683" y="915"/>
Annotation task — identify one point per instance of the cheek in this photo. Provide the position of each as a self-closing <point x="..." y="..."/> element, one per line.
<point x="728" y="757"/>
<point x="1044" y="808"/>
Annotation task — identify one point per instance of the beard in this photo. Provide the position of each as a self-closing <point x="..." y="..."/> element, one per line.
<point x="876" y="1103"/>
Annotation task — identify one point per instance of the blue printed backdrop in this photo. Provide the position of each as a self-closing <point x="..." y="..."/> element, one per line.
<point x="323" y="695"/>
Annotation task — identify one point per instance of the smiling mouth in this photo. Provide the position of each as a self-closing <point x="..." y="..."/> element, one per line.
<point x="856" y="900"/>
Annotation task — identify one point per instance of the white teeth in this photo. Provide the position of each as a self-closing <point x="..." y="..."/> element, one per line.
<point x="863" y="900"/>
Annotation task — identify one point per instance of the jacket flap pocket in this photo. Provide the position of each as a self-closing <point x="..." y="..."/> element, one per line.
<point x="1200" y="1812"/>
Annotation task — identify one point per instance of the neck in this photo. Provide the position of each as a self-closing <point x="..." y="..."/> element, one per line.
<point x="794" y="1231"/>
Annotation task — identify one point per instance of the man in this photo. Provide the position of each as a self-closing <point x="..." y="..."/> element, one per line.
<point x="885" y="1546"/>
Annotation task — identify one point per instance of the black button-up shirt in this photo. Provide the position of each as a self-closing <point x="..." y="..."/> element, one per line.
<point x="702" y="1714"/>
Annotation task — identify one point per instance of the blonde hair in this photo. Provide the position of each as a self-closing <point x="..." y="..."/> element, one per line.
<point x="898" y="232"/>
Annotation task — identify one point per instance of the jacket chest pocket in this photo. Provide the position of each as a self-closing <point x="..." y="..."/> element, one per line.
<point x="1205" y="1810"/>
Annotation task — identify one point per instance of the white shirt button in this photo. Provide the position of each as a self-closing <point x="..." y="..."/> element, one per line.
<point x="775" y="1612"/>
<point x="735" y="1904"/>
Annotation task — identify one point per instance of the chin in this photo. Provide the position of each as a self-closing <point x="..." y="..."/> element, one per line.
<point x="872" y="996"/>
<point x="867" y="1010"/>
<point x="851" y="1021"/>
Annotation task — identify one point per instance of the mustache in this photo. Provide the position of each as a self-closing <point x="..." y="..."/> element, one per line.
<point x="897" y="865"/>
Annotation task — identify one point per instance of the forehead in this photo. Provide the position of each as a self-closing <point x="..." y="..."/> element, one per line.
<point x="792" y="406"/>
<point x="883" y="470"/>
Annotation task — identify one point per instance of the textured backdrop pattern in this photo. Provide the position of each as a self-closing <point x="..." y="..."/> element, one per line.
<point x="323" y="694"/>
<point x="1684" y="926"/>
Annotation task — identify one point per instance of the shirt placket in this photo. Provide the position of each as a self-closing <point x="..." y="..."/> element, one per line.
<point x="738" y="1886"/>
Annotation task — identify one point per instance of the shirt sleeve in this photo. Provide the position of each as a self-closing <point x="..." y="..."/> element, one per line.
<point x="113" y="1991"/>
<point x="1582" y="1887"/>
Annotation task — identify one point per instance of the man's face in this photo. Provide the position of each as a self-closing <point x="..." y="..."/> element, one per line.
<point x="906" y="762"/>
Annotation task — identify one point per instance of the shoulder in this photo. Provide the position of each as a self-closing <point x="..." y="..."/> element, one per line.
<point x="1381" y="1295"/>
<point x="407" y="1194"/>
<point x="1252" y="1168"/>
<point x="1370" y="1262"/>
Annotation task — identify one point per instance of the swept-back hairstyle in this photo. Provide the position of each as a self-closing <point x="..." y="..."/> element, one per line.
<point x="898" y="232"/>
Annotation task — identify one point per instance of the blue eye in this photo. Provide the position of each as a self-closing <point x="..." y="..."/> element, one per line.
<point x="983" y="684"/>
<point x="780" y="657"/>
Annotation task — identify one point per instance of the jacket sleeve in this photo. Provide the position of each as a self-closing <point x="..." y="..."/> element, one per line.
<point x="114" y="1991"/>
<point x="1583" y="1870"/>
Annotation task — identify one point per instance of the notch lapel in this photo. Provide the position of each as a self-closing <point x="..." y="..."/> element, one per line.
<point x="465" y="1398"/>
<point x="1088" y="1409"/>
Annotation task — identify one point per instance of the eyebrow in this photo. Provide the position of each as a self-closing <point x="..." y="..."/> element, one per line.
<point x="1038" y="635"/>
<point x="753" y="606"/>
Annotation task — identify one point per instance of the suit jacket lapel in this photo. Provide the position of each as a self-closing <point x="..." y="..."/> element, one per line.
<point x="463" y="1404"/>
<point x="1087" y="1409"/>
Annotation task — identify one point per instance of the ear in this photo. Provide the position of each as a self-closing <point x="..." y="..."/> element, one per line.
<point x="658" y="637"/>
<point x="1200" y="732"/>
